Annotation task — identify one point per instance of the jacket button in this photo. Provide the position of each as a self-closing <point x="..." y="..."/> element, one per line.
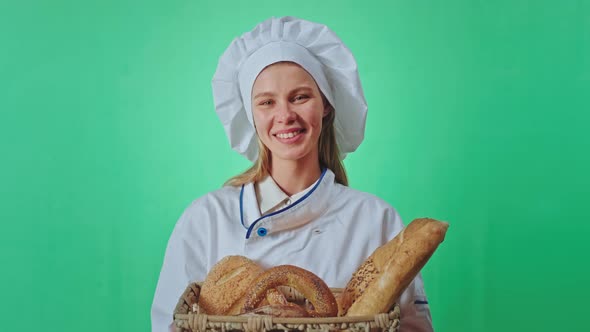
<point x="262" y="231"/>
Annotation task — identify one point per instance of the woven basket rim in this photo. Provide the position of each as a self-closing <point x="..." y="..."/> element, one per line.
<point x="283" y="320"/>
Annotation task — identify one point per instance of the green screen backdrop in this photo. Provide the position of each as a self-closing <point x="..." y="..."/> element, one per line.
<point x="478" y="115"/>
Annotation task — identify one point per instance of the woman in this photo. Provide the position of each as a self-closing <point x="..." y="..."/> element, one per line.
<point x="290" y="99"/>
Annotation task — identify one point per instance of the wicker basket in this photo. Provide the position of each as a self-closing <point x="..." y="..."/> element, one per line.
<point x="187" y="318"/>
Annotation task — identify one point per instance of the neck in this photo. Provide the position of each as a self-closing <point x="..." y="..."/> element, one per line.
<point x="293" y="176"/>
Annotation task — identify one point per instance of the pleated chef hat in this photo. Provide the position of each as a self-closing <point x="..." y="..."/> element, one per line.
<point x="311" y="45"/>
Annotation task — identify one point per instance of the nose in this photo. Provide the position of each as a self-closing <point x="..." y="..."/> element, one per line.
<point x="285" y="114"/>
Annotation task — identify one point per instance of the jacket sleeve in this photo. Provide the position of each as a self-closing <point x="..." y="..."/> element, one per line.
<point x="415" y="312"/>
<point x="183" y="263"/>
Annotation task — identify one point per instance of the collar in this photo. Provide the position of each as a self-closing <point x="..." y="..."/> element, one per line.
<point x="270" y="196"/>
<point x="311" y="204"/>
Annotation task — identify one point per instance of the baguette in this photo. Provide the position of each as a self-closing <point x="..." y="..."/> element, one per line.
<point x="382" y="277"/>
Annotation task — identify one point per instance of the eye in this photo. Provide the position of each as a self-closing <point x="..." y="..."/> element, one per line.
<point x="267" y="102"/>
<point x="300" y="97"/>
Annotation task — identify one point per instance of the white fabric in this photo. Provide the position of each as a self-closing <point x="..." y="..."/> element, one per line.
<point x="272" y="198"/>
<point x="311" y="45"/>
<point x="330" y="231"/>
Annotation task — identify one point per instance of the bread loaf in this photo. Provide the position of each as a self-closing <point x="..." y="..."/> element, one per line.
<point x="223" y="290"/>
<point x="382" y="277"/>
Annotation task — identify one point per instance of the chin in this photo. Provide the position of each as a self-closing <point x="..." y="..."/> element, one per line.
<point x="291" y="155"/>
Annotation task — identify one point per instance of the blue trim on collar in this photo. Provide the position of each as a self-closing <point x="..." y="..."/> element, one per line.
<point x="279" y="211"/>
<point x="241" y="214"/>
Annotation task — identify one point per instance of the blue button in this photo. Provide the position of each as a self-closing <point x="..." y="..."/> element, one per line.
<point x="262" y="231"/>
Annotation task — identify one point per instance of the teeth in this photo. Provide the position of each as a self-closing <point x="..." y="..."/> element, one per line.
<point x="288" y="135"/>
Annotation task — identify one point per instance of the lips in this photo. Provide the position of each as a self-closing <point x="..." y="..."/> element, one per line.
<point x="289" y="134"/>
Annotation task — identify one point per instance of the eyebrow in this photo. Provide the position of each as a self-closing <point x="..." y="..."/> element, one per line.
<point x="270" y="94"/>
<point x="263" y="94"/>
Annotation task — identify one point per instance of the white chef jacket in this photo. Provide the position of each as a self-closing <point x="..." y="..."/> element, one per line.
<point x="329" y="231"/>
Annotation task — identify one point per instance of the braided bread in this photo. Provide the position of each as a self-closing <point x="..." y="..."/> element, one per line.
<point x="308" y="284"/>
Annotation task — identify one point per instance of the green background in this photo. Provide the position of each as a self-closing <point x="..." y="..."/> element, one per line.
<point x="478" y="114"/>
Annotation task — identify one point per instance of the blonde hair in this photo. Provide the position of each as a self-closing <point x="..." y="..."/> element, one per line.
<point x="327" y="151"/>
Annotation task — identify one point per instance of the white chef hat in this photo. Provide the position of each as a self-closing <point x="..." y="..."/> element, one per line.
<point x="311" y="45"/>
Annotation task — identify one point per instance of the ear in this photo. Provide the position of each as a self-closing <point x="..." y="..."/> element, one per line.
<point x="327" y="109"/>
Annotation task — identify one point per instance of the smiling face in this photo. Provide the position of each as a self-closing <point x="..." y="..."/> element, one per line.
<point x="288" y="109"/>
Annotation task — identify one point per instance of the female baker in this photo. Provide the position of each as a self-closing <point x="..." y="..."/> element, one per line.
<point x="290" y="100"/>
